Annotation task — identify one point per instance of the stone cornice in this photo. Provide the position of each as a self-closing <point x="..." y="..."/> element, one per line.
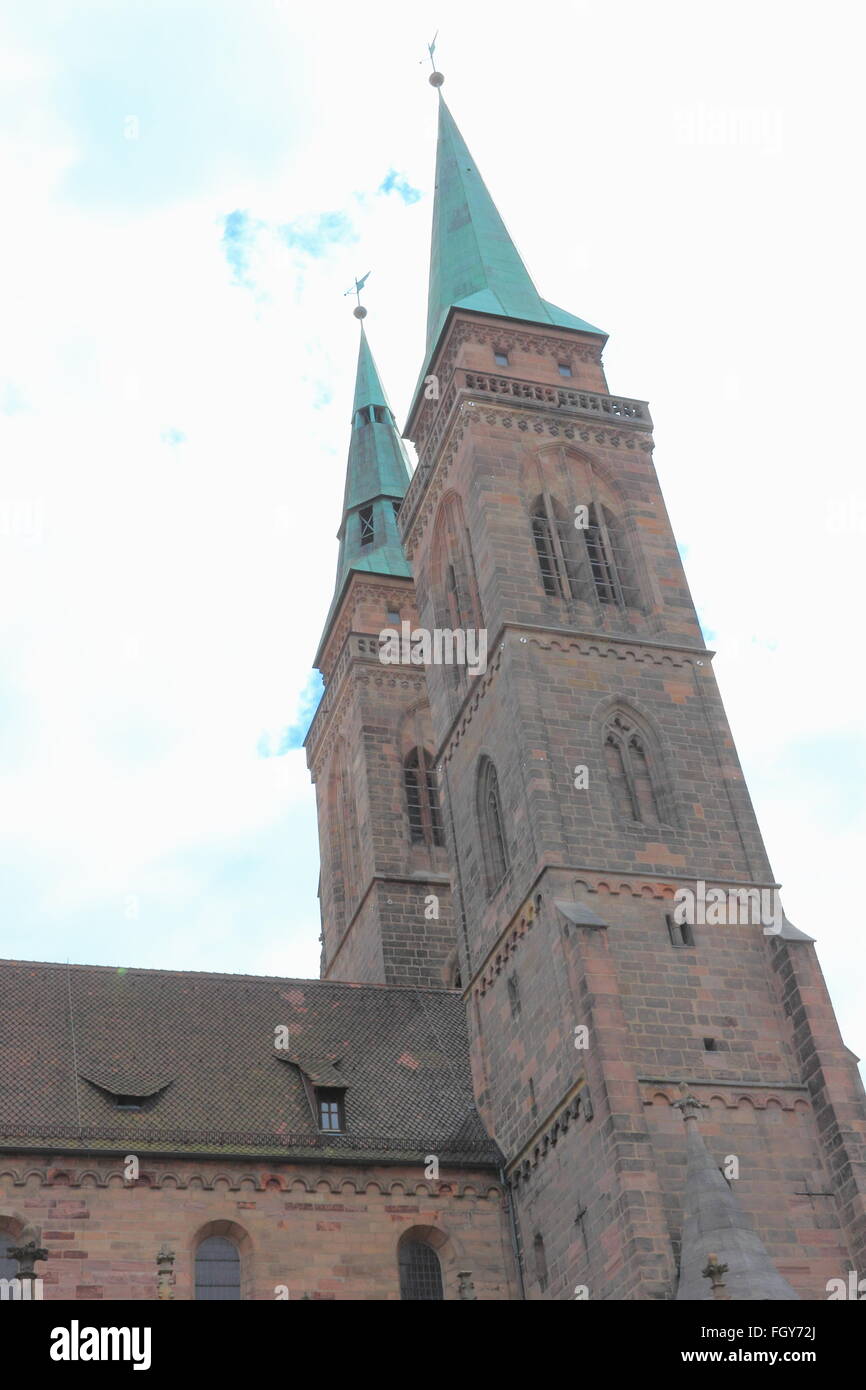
<point x="430" y="478"/>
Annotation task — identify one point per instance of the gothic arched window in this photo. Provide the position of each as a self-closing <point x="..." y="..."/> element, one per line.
<point x="351" y="850"/>
<point x="556" y="548"/>
<point x="491" y="825"/>
<point x="455" y="600"/>
<point x="630" y="775"/>
<point x="217" y="1270"/>
<point x="422" y="799"/>
<point x="420" y="1272"/>
<point x="608" y="559"/>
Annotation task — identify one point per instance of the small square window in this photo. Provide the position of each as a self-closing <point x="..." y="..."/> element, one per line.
<point x="330" y="1110"/>
<point x="393" y="617"/>
<point x="710" y="1045"/>
<point x="501" y="359"/>
<point x="564" y="369"/>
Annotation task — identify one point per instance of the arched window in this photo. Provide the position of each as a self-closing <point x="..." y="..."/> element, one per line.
<point x="584" y="556"/>
<point x="540" y="1261"/>
<point x="608" y="561"/>
<point x="491" y="825"/>
<point x="557" y="549"/>
<point x="420" y="1272"/>
<point x="454" y="597"/>
<point x="344" y="829"/>
<point x="422" y="799"/>
<point x="217" y="1270"/>
<point x="629" y="773"/>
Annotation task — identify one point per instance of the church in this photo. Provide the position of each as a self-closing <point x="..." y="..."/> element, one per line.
<point x="553" y="1052"/>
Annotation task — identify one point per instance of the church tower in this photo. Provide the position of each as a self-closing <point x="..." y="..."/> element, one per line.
<point x="662" y="1089"/>
<point x="385" y="886"/>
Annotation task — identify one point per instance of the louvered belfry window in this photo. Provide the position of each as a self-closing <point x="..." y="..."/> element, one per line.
<point x="422" y="799"/>
<point x="217" y="1270"/>
<point x="587" y="564"/>
<point x="420" y="1273"/>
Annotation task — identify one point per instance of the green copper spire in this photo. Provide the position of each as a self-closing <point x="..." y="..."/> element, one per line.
<point x="377" y="476"/>
<point x="474" y="264"/>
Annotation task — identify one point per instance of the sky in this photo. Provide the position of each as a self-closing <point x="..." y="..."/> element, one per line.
<point x="190" y="187"/>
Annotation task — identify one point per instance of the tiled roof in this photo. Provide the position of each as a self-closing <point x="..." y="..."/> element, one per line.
<point x="200" y="1051"/>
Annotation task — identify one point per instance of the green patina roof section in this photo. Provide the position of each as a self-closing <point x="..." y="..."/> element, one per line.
<point x="377" y="475"/>
<point x="474" y="264"/>
<point x="368" y="386"/>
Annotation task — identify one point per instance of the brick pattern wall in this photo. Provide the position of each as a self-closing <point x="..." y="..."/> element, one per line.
<point x="322" y="1231"/>
<point x="597" y="1158"/>
<point x="378" y="922"/>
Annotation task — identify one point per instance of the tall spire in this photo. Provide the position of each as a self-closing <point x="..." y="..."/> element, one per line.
<point x="377" y="475"/>
<point x="474" y="264"/>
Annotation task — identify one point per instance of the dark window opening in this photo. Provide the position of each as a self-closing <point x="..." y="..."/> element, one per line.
<point x="129" y="1102"/>
<point x="548" y="561"/>
<point x="601" y="559"/>
<point x="710" y="1045"/>
<point x="396" y="505"/>
<point x="562" y="558"/>
<point x="422" y="799"/>
<point x="420" y="1273"/>
<point x="331" y="1111"/>
<point x="514" y="995"/>
<point x="367" y="533"/>
<point x="217" y="1270"/>
<point x="491" y="825"/>
<point x="680" y="932"/>
<point x="540" y="1261"/>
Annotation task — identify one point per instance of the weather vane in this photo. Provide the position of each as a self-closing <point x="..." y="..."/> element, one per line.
<point x="435" y="79"/>
<point x="360" y="312"/>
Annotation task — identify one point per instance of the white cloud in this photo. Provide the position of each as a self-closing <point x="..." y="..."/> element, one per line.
<point x="169" y="600"/>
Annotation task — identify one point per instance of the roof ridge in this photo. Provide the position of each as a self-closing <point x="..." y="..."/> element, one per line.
<point x="231" y="975"/>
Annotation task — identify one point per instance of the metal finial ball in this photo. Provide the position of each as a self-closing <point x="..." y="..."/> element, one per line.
<point x="436" y="79"/>
<point x="360" y="312"/>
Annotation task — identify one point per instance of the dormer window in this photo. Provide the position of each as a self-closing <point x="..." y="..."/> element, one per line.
<point x="501" y="359"/>
<point x="129" y="1102"/>
<point x="330" y="1110"/>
